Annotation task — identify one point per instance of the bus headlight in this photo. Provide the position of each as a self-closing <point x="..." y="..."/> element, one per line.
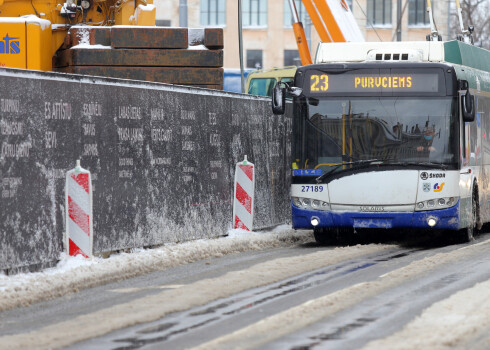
<point x="308" y="203"/>
<point x="437" y="203"/>
<point x="297" y="202"/>
<point x="431" y="222"/>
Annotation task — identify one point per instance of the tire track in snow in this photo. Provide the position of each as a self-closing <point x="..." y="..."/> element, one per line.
<point x="463" y="316"/>
<point x="296" y="318"/>
<point x="156" y="306"/>
<point x="74" y="274"/>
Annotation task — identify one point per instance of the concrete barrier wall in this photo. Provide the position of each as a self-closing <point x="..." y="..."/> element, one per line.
<point x="162" y="160"/>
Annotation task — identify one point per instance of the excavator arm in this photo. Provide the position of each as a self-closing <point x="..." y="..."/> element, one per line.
<point x="299" y="33"/>
<point x="332" y="20"/>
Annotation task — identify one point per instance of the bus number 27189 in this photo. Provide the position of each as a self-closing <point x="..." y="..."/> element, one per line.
<point x="311" y="188"/>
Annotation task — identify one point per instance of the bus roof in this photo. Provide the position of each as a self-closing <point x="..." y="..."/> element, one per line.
<point x="456" y="52"/>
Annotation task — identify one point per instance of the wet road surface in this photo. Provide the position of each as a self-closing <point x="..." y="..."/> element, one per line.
<point x="341" y="304"/>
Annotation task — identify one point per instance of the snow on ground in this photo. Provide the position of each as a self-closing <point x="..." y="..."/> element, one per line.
<point x="275" y="326"/>
<point x="447" y="324"/>
<point x="183" y="297"/>
<point x="74" y="273"/>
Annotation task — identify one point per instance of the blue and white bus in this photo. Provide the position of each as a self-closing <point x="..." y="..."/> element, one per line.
<point x="391" y="135"/>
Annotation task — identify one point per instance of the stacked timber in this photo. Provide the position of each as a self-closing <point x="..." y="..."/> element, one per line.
<point x="192" y="57"/>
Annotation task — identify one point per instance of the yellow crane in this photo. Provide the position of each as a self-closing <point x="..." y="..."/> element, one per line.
<point x="31" y="31"/>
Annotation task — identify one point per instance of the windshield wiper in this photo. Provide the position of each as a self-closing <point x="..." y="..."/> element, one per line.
<point x="425" y="164"/>
<point x="356" y="163"/>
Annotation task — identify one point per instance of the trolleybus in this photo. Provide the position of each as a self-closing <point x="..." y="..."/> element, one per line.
<point x="390" y="135"/>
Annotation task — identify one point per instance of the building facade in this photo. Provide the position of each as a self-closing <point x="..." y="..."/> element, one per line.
<point x="268" y="38"/>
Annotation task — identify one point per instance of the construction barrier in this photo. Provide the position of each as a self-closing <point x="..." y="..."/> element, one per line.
<point x="79" y="217"/>
<point x="243" y="202"/>
<point x="162" y="160"/>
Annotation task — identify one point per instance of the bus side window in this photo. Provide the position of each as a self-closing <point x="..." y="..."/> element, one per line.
<point x="466" y="144"/>
<point x="466" y="140"/>
<point x="486" y="131"/>
<point x="475" y="141"/>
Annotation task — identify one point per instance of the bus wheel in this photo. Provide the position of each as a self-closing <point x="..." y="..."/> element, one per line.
<point x="466" y="234"/>
<point x="325" y="236"/>
<point x="347" y="236"/>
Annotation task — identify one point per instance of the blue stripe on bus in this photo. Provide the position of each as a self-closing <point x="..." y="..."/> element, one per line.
<point x="446" y="219"/>
<point x="307" y="172"/>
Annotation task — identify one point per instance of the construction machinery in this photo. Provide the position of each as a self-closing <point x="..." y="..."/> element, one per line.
<point x="333" y="21"/>
<point x="33" y="30"/>
<point x="111" y="38"/>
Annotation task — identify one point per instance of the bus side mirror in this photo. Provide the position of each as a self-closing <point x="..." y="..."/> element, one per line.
<point x="462" y="84"/>
<point x="279" y="99"/>
<point x="468" y="106"/>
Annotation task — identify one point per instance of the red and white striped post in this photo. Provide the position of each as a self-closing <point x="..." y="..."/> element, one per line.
<point x="78" y="204"/>
<point x="243" y="203"/>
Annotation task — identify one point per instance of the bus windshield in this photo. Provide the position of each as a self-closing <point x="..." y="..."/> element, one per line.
<point x="330" y="132"/>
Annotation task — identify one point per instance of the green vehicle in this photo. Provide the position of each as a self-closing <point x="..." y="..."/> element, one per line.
<point x="262" y="82"/>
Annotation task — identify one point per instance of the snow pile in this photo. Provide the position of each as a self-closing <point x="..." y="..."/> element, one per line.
<point x="197" y="47"/>
<point x="44" y="23"/>
<point x="195" y="36"/>
<point x="147" y="8"/>
<point x="88" y="46"/>
<point x="83" y="35"/>
<point x="75" y="273"/>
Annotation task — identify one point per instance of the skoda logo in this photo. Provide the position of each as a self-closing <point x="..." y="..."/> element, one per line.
<point x="424" y="175"/>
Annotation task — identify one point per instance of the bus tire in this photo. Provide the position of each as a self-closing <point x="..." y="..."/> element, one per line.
<point x="347" y="236"/>
<point x="325" y="236"/>
<point x="478" y="219"/>
<point x="466" y="234"/>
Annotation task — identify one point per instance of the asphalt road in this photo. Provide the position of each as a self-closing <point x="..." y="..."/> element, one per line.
<point x="303" y="296"/>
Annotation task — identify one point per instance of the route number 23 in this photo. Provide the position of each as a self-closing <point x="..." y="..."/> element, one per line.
<point x="319" y="82"/>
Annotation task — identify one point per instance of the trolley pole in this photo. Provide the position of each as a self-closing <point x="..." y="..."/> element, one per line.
<point x="240" y="45"/>
<point x="399" y="24"/>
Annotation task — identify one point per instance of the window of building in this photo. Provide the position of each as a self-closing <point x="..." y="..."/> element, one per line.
<point x="163" y="22"/>
<point x="254" y="59"/>
<point x="254" y="13"/>
<point x="417" y="12"/>
<point x="291" y="58"/>
<point x="379" y="12"/>
<point x="288" y="16"/>
<point x="213" y="12"/>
